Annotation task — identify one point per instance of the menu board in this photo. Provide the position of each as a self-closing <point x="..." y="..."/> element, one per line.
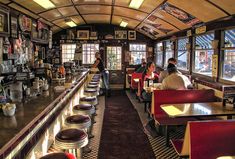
<point x="214" y="65"/>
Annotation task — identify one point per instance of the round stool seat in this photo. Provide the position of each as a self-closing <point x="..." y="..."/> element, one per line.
<point x="71" y="139"/>
<point x="93" y="83"/>
<point x="95" y="80"/>
<point x="91" y="92"/>
<point x="59" y="155"/>
<point x="85" y="109"/>
<point x="89" y="100"/>
<point x="93" y="86"/>
<point x="78" y="121"/>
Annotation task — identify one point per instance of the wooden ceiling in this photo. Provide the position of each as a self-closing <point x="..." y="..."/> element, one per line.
<point x="155" y="18"/>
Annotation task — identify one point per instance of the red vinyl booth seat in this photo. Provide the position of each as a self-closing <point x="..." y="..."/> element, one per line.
<point x="134" y="85"/>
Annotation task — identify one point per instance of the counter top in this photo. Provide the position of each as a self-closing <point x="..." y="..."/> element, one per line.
<point x="27" y="111"/>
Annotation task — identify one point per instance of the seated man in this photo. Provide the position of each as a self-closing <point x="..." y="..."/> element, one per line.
<point x="164" y="74"/>
<point x="175" y="80"/>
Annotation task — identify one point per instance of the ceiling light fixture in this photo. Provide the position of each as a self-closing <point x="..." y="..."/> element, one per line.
<point x="123" y="24"/>
<point x="71" y="23"/>
<point x="47" y="4"/>
<point x="136" y="4"/>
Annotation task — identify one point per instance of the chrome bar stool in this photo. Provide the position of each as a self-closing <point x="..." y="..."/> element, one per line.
<point x="91" y="92"/>
<point x="58" y="155"/>
<point x="71" y="140"/>
<point x="80" y="122"/>
<point x="85" y="109"/>
<point x="89" y="100"/>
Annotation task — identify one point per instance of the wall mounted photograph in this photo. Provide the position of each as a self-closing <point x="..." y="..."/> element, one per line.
<point x="14" y="27"/>
<point x="93" y="35"/>
<point x="121" y="34"/>
<point x="83" y="34"/>
<point x="131" y="35"/>
<point x="4" y="21"/>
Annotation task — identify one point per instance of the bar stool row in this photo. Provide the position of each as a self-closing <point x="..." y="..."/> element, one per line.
<point x="74" y="137"/>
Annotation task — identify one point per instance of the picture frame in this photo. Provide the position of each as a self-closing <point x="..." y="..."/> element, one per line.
<point x="131" y="35"/>
<point x="93" y="35"/>
<point x="14" y="27"/>
<point x="4" y="21"/>
<point x="120" y="34"/>
<point x="83" y="34"/>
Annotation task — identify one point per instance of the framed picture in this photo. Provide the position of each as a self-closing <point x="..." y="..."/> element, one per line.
<point x="83" y="34"/>
<point x="131" y="35"/>
<point x="93" y="35"/>
<point x="4" y="21"/>
<point x="14" y="27"/>
<point x="121" y="34"/>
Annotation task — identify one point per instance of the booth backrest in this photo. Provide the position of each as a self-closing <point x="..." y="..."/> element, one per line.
<point x="212" y="139"/>
<point x="134" y="85"/>
<point x="180" y="96"/>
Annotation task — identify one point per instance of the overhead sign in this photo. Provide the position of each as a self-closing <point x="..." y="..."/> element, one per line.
<point x="200" y="30"/>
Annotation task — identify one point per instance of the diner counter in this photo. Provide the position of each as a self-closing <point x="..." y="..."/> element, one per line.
<point x="28" y="110"/>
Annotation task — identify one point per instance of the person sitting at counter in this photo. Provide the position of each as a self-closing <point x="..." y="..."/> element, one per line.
<point x="175" y="80"/>
<point x="104" y="73"/>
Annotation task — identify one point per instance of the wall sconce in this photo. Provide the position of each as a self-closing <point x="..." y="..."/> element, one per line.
<point x="214" y="44"/>
<point x="188" y="46"/>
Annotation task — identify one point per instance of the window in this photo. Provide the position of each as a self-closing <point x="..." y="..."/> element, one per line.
<point x="228" y="71"/>
<point x="68" y="51"/>
<point x="203" y="54"/>
<point x="159" y="54"/>
<point x="169" y="52"/>
<point x="114" y="58"/>
<point x="182" y="54"/>
<point x="138" y="52"/>
<point x="88" y="53"/>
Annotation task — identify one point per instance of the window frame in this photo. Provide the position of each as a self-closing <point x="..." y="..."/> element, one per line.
<point x="138" y="51"/>
<point x="90" y="53"/>
<point x="187" y="52"/>
<point x="62" y="53"/>
<point x="156" y="53"/>
<point x="165" y="61"/>
<point x="209" y="77"/>
<point x="107" y="58"/>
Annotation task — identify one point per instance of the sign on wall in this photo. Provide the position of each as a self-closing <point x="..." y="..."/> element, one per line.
<point x="214" y="65"/>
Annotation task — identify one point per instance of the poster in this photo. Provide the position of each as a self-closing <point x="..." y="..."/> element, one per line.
<point x="214" y="65"/>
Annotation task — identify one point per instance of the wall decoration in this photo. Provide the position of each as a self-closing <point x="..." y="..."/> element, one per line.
<point x="120" y="34"/>
<point x="131" y="35"/>
<point x="4" y="21"/>
<point x="180" y="14"/>
<point x="109" y="36"/>
<point x="214" y="65"/>
<point x="83" y="34"/>
<point x="93" y="35"/>
<point x="25" y="23"/>
<point x="14" y="27"/>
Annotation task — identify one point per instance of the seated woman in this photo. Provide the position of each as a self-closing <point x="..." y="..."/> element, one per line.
<point x="148" y="75"/>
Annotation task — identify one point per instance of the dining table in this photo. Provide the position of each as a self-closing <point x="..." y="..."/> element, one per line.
<point x="198" y="110"/>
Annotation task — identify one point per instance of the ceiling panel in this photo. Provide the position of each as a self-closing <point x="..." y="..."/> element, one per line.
<point x="60" y="3"/>
<point x="78" y="20"/>
<point x="149" y="31"/>
<point x="97" y="18"/>
<point x="163" y="15"/>
<point x="108" y="2"/>
<point x="68" y="11"/>
<point x="147" y="6"/>
<point x="125" y="12"/>
<point x="31" y="5"/>
<point x="88" y="9"/>
<point x="61" y="23"/>
<point x="201" y="9"/>
<point x="160" y="25"/>
<point x="5" y="1"/>
<point x="45" y="21"/>
<point x="51" y="15"/>
<point x="228" y="5"/>
<point x="116" y="20"/>
<point x="15" y="6"/>
<point x="55" y="29"/>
